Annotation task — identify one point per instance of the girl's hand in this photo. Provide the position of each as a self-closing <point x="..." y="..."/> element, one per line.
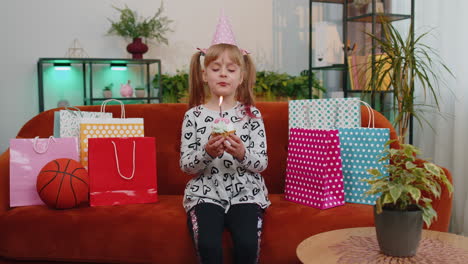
<point x="234" y="146"/>
<point x="215" y="147"/>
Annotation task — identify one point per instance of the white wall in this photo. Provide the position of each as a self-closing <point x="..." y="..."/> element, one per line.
<point x="31" y="29"/>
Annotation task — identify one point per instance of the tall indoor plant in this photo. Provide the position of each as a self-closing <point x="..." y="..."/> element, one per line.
<point x="406" y="62"/>
<point x="130" y="25"/>
<point x="408" y="185"/>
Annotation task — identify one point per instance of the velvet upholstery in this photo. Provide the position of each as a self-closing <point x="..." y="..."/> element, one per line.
<point x="157" y="233"/>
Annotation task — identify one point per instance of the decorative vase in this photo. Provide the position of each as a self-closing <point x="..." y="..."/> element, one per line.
<point x="140" y="93"/>
<point x="137" y="48"/>
<point x="126" y="90"/>
<point x="398" y="232"/>
<point x="107" y="93"/>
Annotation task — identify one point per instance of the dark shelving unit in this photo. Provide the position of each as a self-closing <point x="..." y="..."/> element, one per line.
<point x="374" y="18"/>
<point x="375" y="97"/>
<point x="87" y="65"/>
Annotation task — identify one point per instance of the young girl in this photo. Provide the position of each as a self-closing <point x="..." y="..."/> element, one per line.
<point x="227" y="189"/>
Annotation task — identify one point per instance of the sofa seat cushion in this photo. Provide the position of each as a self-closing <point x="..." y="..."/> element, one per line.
<point x="155" y="233"/>
<point x="286" y="224"/>
<point x="137" y="233"/>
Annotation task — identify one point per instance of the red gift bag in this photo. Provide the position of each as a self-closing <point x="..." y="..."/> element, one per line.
<point x="122" y="170"/>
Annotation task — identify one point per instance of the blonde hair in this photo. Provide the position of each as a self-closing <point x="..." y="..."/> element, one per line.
<point x="244" y="92"/>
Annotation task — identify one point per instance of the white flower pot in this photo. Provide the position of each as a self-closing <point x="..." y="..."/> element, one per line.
<point x="107" y="93"/>
<point x="140" y="93"/>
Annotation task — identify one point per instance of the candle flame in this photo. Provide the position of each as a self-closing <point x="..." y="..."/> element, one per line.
<point x="220" y="100"/>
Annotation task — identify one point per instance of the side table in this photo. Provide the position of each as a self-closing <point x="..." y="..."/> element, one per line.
<point x="359" y="245"/>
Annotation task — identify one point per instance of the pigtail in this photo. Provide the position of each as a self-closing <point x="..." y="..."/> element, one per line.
<point x="196" y="86"/>
<point x="245" y="90"/>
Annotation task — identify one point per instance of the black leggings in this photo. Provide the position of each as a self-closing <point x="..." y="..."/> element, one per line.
<point x="206" y="222"/>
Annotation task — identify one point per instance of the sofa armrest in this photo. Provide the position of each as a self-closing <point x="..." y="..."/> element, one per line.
<point x="4" y="181"/>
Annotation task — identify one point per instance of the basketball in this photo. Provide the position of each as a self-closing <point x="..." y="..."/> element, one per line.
<point x="63" y="184"/>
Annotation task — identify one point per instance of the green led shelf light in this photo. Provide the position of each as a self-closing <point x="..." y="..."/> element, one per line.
<point x="62" y="66"/>
<point x="118" y="66"/>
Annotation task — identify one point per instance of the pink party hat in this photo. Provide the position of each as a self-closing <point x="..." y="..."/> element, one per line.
<point x="224" y="34"/>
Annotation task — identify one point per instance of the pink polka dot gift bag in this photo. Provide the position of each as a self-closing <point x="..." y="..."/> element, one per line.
<point x="314" y="170"/>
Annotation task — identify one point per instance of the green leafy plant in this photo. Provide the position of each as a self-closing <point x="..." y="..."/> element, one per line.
<point x="406" y="62"/>
<point x="407" y="182"/>
<point x="174" y="87"/>
<point x="130" y="25"/>
<point x="108" y="87"/>
<point x="272" y="86"/>
<point x="269" y="86"/>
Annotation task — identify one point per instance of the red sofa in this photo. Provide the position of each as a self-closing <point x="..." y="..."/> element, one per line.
<point x="157" y="233"/>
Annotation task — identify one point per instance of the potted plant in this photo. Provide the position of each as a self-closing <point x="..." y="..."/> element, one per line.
<point x="140" y="92"/>
<point x="405" y="62"/>
<point x="130" y="25"/>
<point x="408" y="186"/>
<point x="272" y="86"/>
<point x="107" y="91"/>
<point x="406" y="189"/>
<point x="174" y="87"/>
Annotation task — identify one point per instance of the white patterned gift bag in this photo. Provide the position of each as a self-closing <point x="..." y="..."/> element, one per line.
<point x="67" y="122"/>
<point x="108" y="128"/>
<point x="327" y="113"/>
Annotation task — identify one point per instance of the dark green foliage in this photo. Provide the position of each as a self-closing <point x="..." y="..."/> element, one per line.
<point x="269" y="86"/>
<point x="132" y="26"/>
<point x="175" y="86"/>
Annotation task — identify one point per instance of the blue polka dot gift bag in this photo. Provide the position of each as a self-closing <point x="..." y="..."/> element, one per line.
<point x="327" y="113"/>
<point x="360" y="149"/>
<point x="314" y="171"/>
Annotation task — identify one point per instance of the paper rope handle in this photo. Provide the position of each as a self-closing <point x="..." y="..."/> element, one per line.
<point x="51" y="138"/>
<point x="122" y="107"/>
<point x="371" y="114"/>
<point x="76" y="113"/>
<point x="117" y="161"/>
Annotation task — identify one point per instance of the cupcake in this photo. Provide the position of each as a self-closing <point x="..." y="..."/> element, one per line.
<point x="223" y="127"/>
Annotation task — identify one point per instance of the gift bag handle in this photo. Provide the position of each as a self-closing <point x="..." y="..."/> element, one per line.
<point x="122" y="107"/>
<point x="371" y="114"/>
<point x="117" y="161"/>
<point x="76" y="113"/>
<point x="51" y="138"/>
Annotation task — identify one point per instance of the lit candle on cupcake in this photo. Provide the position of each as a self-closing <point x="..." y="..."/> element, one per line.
<point x="220" y="102"/>
<point x="222" y="126"/>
